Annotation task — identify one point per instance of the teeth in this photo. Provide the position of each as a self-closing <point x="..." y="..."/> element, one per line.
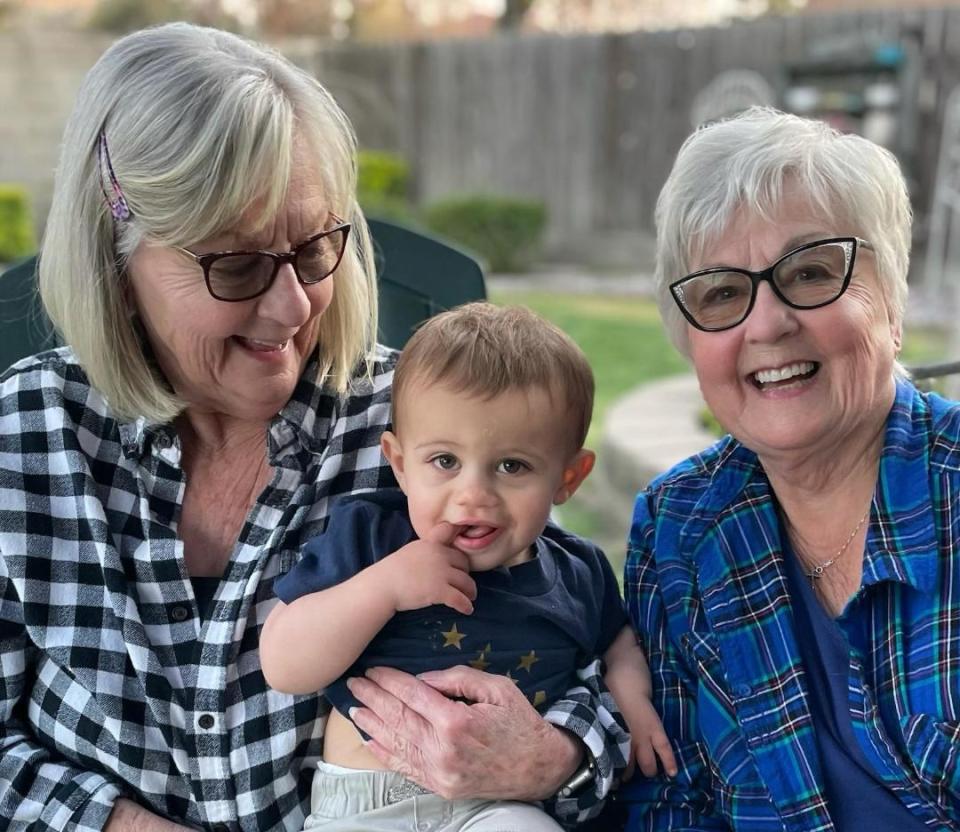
<point x="265" y="345"/>
<point x="783" y="373"/>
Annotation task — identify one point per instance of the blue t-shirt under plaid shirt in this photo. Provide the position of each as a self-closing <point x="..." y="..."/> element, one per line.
<point x="706" y="587"/>
<point x="536" y="622"/>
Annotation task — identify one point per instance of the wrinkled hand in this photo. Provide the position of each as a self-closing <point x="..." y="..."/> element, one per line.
<point x="648" y="740"/>
<point x="496" y="746"/>
<point x="430" y="571"/>
<point x="128" y="816"/>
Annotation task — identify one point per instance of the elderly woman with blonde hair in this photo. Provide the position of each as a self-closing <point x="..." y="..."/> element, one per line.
<point x="210" y="271"/>
<point x="797" y="585"/>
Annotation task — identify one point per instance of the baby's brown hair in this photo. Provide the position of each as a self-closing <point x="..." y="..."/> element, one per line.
<point x="483" y="350"/>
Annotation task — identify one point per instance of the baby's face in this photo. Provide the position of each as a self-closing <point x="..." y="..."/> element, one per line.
<point x="491" y="467"/>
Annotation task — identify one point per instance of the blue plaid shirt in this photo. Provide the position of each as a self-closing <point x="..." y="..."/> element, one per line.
<point x="707" y="590"/>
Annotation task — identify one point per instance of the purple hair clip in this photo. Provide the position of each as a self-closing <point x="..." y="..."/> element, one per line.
<point x="119" y="209"/>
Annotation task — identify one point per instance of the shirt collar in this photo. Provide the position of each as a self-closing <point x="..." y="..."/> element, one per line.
<point x="903" y="546"/>
<point x="306" y="419"/>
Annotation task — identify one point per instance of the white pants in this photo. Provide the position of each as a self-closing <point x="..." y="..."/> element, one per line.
<point x="353" y="800"/>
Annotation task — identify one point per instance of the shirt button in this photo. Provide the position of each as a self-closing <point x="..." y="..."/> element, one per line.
<point x="206" y="721"/>
<point x="179" y="613"/>
<point x="163" y="441"/>
<point x="743" y="690"/>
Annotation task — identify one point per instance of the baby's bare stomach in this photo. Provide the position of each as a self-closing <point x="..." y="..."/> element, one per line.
<point x="343" y="745"/>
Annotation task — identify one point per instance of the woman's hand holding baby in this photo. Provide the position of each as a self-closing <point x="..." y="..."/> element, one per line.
<point x="461" y="733"/>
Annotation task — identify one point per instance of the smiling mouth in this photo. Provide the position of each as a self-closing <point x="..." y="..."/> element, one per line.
<point x="785" y="376"/>
<point x="261" y="346"/>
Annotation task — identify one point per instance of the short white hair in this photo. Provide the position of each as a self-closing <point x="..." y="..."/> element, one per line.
<point x="745" y="162"/>
<point x="201" y="127"/>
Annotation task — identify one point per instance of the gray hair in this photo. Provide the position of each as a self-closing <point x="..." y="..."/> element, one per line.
<point x="201" y="126"/>
<point x="745" y="162"/>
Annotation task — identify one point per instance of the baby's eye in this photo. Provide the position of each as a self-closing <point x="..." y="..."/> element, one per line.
<point x="446" y="462"/>
<point x="512" y="466"/>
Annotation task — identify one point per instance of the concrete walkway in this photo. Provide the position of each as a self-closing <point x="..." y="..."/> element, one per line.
<point x="644" y="433"/>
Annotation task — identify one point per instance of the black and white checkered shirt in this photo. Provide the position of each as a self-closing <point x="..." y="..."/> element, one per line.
<point x="111" y="682"/>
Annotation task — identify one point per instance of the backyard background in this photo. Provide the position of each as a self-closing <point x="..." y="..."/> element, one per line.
<point x="545" y="139"/>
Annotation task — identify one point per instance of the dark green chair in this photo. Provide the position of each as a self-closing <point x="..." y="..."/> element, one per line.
<point x="419" y="275"/>
<point x="24" y="326"/>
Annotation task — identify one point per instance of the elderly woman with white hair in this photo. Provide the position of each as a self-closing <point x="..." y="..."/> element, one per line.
<point x="211" y="274"/>
<point x="797" y="585"/>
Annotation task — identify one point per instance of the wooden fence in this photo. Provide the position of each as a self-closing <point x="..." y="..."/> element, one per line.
<point x="589" y="124"/>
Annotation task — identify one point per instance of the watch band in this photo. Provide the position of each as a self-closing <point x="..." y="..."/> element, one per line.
<point x="583" y="775"/>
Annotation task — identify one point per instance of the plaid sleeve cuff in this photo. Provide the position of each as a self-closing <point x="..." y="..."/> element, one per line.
<point x="95" y="804"/>
<point x="80" y="804"/>
<point x="589" y="712"/>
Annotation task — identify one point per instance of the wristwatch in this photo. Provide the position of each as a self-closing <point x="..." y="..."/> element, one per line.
<point x="583" y="775"/>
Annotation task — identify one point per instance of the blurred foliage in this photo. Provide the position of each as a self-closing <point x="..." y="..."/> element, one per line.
<point x="382" y="174"/>
<point x="7" y="8"/>
<point x="504" y="231"/>
<point x="16" y="226"/>
<point x="383" y="185"/>
<point x="514" y="11"/>
<point x="122" y="16"/>
<point x="292" y="18"/>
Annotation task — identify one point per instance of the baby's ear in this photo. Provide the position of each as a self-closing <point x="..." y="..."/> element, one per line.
<point x="574" y="473"/>
<point x="392" y="450"/>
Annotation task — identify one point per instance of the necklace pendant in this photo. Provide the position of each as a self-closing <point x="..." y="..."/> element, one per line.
<point x="817" y="572"/>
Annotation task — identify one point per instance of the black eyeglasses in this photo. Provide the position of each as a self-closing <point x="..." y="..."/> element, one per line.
<point x="243" y="275"/>
<point x="813" y="275"/>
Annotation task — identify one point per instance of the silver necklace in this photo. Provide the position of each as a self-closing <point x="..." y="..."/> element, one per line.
<point x="817" y="571"/>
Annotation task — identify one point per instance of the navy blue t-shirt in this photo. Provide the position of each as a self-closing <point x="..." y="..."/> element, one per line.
<point x="536" y="622"/>
<point x="857" y="797"/>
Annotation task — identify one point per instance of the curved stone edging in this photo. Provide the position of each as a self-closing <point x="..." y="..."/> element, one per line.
<point x="651" y="429"/>
<point x="644" y="433"/>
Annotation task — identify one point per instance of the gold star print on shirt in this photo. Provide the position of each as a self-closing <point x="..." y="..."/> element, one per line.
<point x="527" y="662"/>
<point x="480" y="662"/>
<point x="453" y="637"/>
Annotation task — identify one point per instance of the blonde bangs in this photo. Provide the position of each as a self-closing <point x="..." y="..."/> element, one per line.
<point x="242" y="183"/>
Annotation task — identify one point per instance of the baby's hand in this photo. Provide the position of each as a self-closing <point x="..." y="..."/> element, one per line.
<point x="648" y="740"/>
<point x="430" y="571"/>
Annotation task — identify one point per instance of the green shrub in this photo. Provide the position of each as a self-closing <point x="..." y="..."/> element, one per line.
<point x="382" y="174"/>
<point x="389" y="208"/>
<point x="16" y="227"/>
<point x="382" y="181"/>
<point x="506" y="232"/>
